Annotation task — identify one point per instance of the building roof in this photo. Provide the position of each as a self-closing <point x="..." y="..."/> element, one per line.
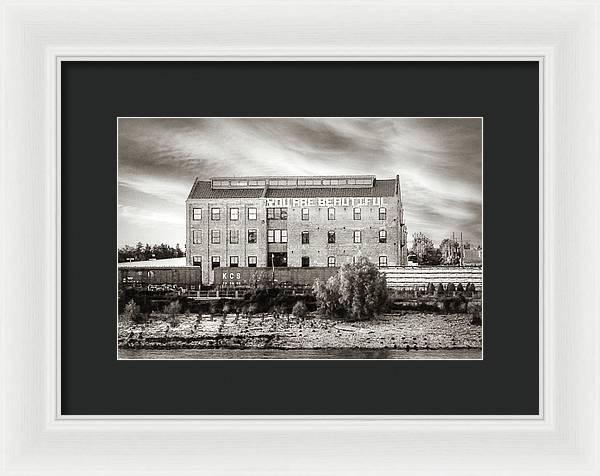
<point x="154" y="263"/>
<point x="380" y="188"/>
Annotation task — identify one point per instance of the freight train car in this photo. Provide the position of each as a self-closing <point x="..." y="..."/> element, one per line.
<point x="250" y="277"/>
<point x="160" y="278"/>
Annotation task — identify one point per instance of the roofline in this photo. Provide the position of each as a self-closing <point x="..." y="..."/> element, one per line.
<point x="189" y="197"/>
<point x="261" y="177"/>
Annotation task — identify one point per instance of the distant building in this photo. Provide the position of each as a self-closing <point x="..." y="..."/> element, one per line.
<point x="311" y="221"/>
<point x="472" y="255"/>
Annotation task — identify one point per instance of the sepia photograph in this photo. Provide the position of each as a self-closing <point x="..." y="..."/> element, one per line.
<point x="300" y="238"/>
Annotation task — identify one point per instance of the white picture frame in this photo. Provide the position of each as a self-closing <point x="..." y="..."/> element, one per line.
<point x="562" y="36"/>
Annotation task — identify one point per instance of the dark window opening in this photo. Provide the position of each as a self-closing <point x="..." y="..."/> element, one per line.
<point x="278" y="260"/>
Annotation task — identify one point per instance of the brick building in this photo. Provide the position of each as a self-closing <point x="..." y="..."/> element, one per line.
<point x="311" y="221"/>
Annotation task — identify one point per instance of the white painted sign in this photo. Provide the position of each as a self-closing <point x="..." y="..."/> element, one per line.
<point x="326" y="202"/>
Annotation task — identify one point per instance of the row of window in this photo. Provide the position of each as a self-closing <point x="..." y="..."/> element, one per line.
<point x="275" y="236"/>
<point x="356" y="236"/>
<point x="277" y="214"/>
<point x="215" y="214"/>
<point x="215" y="236"/>
<point x="290" y="182"/>
<point x="234" y="261"/>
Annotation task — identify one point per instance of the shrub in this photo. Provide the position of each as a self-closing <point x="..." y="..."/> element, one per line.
<point x="173" y="308"/>
<point x="470" y="289"/>
<point x="454" y="304"/>
<point x="215" y="307"/>
<point x="132" y="312"/>
<point x="357" y="291"/>
<point x="172" y="311"/>
<point x="299" y="310"/>
<point x="476" y="316"/>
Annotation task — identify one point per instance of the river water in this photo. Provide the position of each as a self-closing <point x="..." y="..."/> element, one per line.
<point x="198" y="354"/>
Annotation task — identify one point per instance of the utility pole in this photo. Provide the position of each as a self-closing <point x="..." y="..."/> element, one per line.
<point x="273" y="267"/>
<point x="462" y="262"/>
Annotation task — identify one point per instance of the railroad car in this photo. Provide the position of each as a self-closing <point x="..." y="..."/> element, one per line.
<point x="250" y="277"/>
<point x="186" y="278"/>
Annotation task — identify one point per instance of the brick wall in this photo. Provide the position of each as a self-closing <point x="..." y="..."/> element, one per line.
<point x="318" y="226"/>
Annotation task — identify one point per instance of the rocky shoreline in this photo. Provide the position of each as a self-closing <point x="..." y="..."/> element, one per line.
<point x="407" y="330"/>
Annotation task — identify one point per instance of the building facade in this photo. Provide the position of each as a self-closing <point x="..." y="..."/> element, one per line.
<point x="309" y="221"/>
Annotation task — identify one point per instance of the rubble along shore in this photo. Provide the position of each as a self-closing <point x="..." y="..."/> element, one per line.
<point x="410" y="330"/>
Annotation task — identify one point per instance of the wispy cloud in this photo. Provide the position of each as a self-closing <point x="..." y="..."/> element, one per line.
<point x="438" y="160"/>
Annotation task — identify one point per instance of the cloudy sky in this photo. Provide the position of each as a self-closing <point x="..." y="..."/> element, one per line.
<point x="439" y="162"/>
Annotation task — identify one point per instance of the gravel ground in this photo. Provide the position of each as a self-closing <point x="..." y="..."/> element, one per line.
<point x="413" y="329"/>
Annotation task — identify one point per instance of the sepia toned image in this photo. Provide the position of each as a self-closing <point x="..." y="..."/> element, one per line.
<point x="300" y="238"/>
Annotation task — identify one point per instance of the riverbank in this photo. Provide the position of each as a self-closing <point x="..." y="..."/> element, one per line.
<point x="406" y="330"/>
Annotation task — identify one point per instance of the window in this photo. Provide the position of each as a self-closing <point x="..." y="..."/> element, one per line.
<point x="331" y="213"/>
<point x="215" y="237"/>
<point x="215" y="213"/>
<point x="305" y="261"/>
<point x="277" y="236"/>
<point x="234" y="261"/>
<point x="215" y="262"/>
<point x="251" y="236"/>
<point x="305" y="213"/>
<point x="277" y="213"/>
<point x="331" y="261"/>
<point x="331" y="237"/>
<point x="382" y="236"/>
<point x="382" y="213"/>
<point x="252" y="261"/>
<point x="234" y="213"/>
<point x="234" y="237"/>
<point x="196" y="237"/>
<point x="196" y="213"/>
<point x="357" y="213"/>
<point x="357" y="236"/>
<point x="197" y="261"/>
<point x="305" y="239"/>
<point x="383" y="261"/>
<point x="251" y="213"/>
